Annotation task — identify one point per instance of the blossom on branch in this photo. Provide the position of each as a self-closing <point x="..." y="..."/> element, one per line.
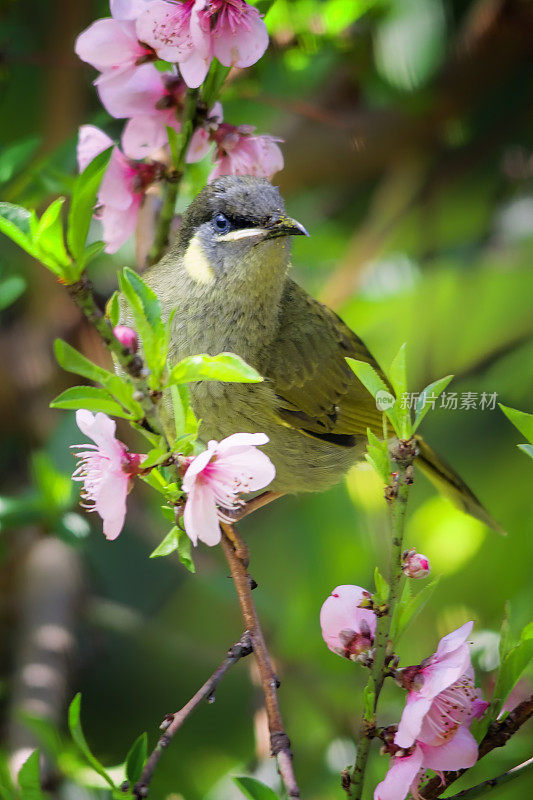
<point x="434" y="729"/>
<point x="347" y="629"/>
<point x="111" y="46"/>
<point x="215" y="479"/>
<point x="193" y="32"/>
<point x="415" y="565"/>
<point x="122" y="188"/>
<point x="106" y="470"/>
<point x="240" y="152"/>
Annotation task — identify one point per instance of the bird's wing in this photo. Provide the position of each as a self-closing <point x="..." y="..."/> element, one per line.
<point x="306" y="367"/>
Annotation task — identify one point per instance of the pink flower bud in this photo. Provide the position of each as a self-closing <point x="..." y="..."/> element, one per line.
<point x="415" y="565"/>
<point x="127" y="337"/>
<point x="348" y="629"/>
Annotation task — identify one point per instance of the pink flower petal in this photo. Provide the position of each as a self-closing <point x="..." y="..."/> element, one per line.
<point x="127" y="9"/>
<point x="196" y="466"/>
<point x="98" y="427"/>
<point x="143" y="135"/>
<point x="445" y="671"/>
<point x="454" y="640"/>
<point x="110" y="503"/>
<point x="194" y="68"/>
<point x="399" y="778"/>
<point x="91" y="142"/>
<point x="199" y="146"/>
<point x="131" y="93"/>
<point x="240" y="46"/>
<point x="241" y="440"/>
<point x="108" y="44"/>
<point x="200" y="517"/>
<point x="459" y="753"/>
<point x="119" y="225"/>
<point x="116" y="187"/>
<point x="412" y="719"/>
<point x="166" y="28"/>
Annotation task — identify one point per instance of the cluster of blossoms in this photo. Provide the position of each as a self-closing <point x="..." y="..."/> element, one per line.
<point x="187" y="35"/>
<point x="213" y="481"/>
<point x="442" y="700"/>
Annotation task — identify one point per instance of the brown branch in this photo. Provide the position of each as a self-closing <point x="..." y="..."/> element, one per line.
<point x="493" y="783"/>
<point x="279" y="741"/>
<point x="497" y="735"/>
<point x="174" y="721"/>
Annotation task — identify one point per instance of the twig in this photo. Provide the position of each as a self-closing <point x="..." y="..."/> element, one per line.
<point x="82" y="293"/>
<point x="279" y="741"/>
<point x="497" y="735"/>
<point x="239" y="650"/>
<point x="257" y="502"/>
<point x="403" y="454"/>
<point x="482" y="789"/>
<point x="166" y="215"/>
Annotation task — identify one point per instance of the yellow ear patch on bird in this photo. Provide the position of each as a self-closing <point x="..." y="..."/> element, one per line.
<point x="242" y="233"/>
<point x="196" y="263"/>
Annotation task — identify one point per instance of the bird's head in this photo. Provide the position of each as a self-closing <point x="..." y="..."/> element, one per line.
<point x="236" y="228"/>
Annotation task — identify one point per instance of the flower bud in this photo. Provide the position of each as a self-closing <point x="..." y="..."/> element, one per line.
<point x="127" y="337"/>
<point x="415" y="565"/>
<point x="348" y="629"/>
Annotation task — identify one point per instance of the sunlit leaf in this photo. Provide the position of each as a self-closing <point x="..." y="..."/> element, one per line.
<point x="522" y="421"/>
<point x="91" y="398"/>
<point x="136" y="758"/>
<point x="83" y="202"/>
<point x="254" y="789"/>
<point x="74" y="723"/>
<point x="29" y="779"/>
<point x="222" y="367"/>
<point x="427" y="397"/>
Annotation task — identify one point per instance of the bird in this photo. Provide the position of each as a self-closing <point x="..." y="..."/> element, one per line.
<point x="225" y="278"/>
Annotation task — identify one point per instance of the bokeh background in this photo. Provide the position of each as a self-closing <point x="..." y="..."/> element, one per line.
<point x="408" y="155"/>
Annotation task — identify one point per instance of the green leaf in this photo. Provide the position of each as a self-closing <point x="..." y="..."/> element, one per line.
<point x="398" y="372"/>
<point x="146" y="312"/>
<point x="522" y="421"/>
<point x="10" y="290"/>
<point x="378" y="456"/>
<point x="7" y="787"/>
<point x="83" y="202"/>
<point x="527" y="449"/>
<point x="147" y="296"/>
<point x="45" y="731"/>
<point x="226" y="367"/>
<point x="254" y="789"/>
<point x="409" y="607"/>
<point x="427" y="397"/>
<point x="169" y="544"/>
<point x="213" y="83"/>
<point x="385" y="401"/>
<point x="29" y="779"/>
<point x="174" y="143"/>
<point x="184" y="418"/>
<point x="76" y="732"/>
<point x="112" y="309"/>
<point x="184" y="551"/>
<point x="382" y="588"/>
<point x="72" y="361"/>
<point x="369" y="701"/>
<point x="15" y="222"/>
<point x="90" y="397"/>
<point x="136" y="759"/>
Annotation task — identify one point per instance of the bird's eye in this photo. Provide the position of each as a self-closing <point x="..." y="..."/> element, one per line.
<point x="221" y="223"/>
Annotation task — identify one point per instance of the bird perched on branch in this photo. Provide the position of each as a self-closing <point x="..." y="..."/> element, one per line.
<point x="226" y="274"/>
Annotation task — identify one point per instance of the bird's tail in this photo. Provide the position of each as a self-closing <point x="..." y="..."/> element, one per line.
<point x="450" y="484"/>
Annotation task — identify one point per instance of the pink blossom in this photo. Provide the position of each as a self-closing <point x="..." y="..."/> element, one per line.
<point x="106" y="469"/>
<point x="415" y="565"/>
<point x="240" y="152"/>
<point x="132" y="93"/>
<point x="127" y="337"/>
<point x="347" y="629"/>
<point x="216" y="477"/>
<point x="127" y="9"/>
<point x="441" y="705"/>
<point x="122" y="188"/>
<point x="111" y="46"/>
<point x="191" y="33"/>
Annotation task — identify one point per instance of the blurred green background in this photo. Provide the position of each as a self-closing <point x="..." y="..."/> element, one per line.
<point x="408" y="155"/>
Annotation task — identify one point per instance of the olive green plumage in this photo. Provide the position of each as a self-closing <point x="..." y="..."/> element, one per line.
<point x="226" y="274"/>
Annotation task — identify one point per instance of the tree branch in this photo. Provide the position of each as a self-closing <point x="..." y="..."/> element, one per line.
<point x="279" y="741"/>
<point x="174" y="721"/>
<point x="497" y="735"/>
<point x="403" y="453"/>
<point x="482" y="789"/>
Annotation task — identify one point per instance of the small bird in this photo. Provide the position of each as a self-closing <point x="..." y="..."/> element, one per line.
<point x="226" y="276"/>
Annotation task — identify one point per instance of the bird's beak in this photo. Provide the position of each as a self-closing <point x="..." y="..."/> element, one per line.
<point x="284" y="226"/>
